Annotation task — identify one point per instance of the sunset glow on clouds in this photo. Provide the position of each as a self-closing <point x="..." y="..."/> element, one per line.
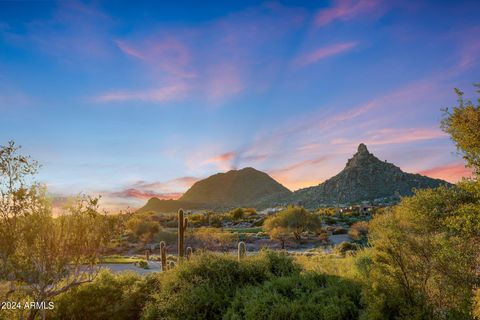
<point x="138" y="100"/>
<point x="452" y="173"/>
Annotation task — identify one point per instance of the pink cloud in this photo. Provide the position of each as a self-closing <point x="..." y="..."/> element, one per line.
<point x="301" y="165"/>
<point x="402" y="135"/>
<point x="145" y="195"/>
<point x="216" y="60"/>
<point x="345" y="10"/>
<point x="165" y="53"/>
<point x="324" y="52"/>
<point x="227" y="156"/>
<point x="451" y="173"/>
<point x="163" y="94"/>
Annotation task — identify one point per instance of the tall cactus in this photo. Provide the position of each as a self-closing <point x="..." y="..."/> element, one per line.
<point x="163" y="255"/>
<point x="182" y="226"/>
<point x="189" y="253"/>
<point x="242" y="250"/>
<point x="147" y="254"/>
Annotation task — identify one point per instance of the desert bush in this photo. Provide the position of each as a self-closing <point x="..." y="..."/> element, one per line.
<point x="236" y="214"/>
<point x="198" y="220"/>
<point x="424" y="255"/>
<point x="339" y="230"/>
<point x="142" y="264"/>
<point x="203" y="287"/>
<point x="109" y="296"/>
<point x="358" y="230"/>
<point x="167" y="236"/>
<point x="476" y="304"/>
<point x="308" y="296"/>
<point x="346" y="247"/>
<point x="213" y="238"/>
<point x="329" y="220"/>
<point x="144" y="227"/>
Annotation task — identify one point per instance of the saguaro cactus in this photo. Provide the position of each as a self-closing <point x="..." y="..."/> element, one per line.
<point x="189" y="252"/>
<point x="163" y="255"/>
<point x="182" y="226"/>
<point x="242" y="250"/>
<point x="147" y="254"/>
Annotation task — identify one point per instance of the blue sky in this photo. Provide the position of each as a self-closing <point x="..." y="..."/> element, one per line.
<point x="139" y="99"/>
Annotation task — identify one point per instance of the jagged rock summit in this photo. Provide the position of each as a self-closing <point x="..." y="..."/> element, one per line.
<point x="364" y="178"/>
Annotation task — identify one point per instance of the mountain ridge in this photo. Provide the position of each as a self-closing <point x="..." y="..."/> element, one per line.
<point x="364" y="178"/>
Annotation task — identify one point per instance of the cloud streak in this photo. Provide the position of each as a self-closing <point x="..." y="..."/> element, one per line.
<point x="162" y="94"/>
<point x="324" y="52"/>
<point x="451" y="173"/>
<point x="346" y="10"/>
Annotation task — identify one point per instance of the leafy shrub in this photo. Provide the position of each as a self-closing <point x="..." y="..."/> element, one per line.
<point x="476" y="304"/>
<point x="203" y="287"/>
<point x="339" y="230"/>
<point x="142" y="264"/>
<point x="198" y="220"/>
<point x="329" y="220"/>
<point x="109" y="296"/>
<point x="309" y="296"/>
<point x="236" y="214"/>
<point x="214" y="238"/>
<point x="345" y="247"/>
<point x="358" y="230"/>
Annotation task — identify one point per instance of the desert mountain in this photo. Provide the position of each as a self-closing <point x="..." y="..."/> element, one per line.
<point x="243" y="187"/>
<point x="365" y="177"/>
<point x="235" y="188"/>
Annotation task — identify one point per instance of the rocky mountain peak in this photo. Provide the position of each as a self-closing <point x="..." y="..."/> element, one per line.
<point x="362" y="157"/>
<point x="362" y="149"/>
<point x="364" y="178"/>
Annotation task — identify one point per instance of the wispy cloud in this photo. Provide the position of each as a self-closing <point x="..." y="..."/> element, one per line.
<point x="324" y="52"/>
<point x="136" y="193"/>
<point x="162" y="94"/>
<point x="346" y="10"/>
<point x="215" y="61"/>
<point x="144" y="195"/>
<point x="451" y="173"/>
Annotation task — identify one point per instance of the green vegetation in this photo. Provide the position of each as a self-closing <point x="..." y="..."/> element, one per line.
<point x="203" y="287"/>
<point x="291" y="223"/>
<point x="109" y="296"/>
<point x="242" y="250"/>
<point x="182" y="226"/>
<point x="309" y="296"/>
<point x="462" y="124"/>
<point x="42" y="256"/>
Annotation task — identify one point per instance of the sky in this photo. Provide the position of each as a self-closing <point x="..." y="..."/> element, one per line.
<point x="136" y="99"/>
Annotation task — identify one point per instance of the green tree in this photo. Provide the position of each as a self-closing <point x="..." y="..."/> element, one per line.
<point x="462" y="123"/>
<point x="424" y="259"/>
<point x="292" y="222"/>
<point x="43" y="256"/>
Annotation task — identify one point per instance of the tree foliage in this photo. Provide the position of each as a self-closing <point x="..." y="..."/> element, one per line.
<point x="309" y="296"/>
<point x="425" y="256"/>
<point x="462" y="123"/>
<point x="43" y="256"/>
<point x="291" y="223"/>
